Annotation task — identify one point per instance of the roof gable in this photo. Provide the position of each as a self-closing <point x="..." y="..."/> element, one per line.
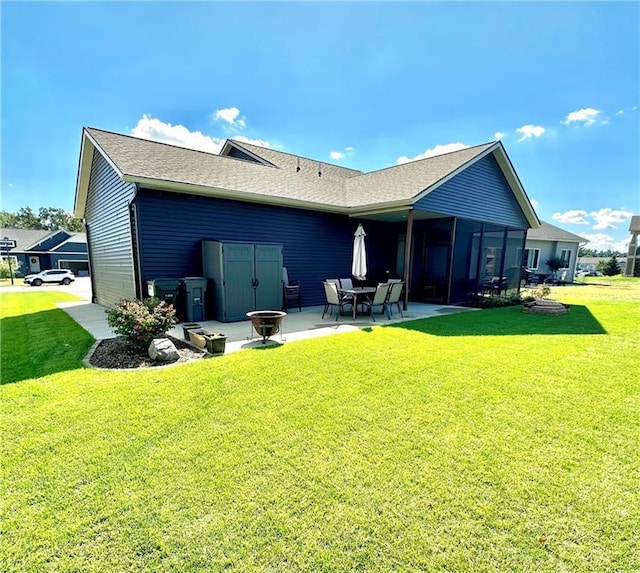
<point x="548" y="232"/>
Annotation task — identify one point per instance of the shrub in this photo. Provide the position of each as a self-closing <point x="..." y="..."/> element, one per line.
<point x="5" y="273"/>
<point x="140" y="322"/>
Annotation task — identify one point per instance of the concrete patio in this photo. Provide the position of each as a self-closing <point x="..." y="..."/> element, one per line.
<point x="240" y="335"/>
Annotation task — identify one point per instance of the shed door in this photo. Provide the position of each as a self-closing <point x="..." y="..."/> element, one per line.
<point x="269" y="275"/>
<point x="238" y="276"/>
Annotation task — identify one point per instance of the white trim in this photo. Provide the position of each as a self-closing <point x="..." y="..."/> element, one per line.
<point x="45" y="238"/>
<point x="230" y="143"/>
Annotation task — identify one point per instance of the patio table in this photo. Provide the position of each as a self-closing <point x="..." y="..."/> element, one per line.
<point x="355" y="292"/>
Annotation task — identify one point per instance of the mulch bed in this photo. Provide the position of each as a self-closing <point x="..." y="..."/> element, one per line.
<point x="114" y="353"/>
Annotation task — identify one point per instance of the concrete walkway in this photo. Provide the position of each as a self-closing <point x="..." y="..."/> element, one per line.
<point x="240" y="335"/>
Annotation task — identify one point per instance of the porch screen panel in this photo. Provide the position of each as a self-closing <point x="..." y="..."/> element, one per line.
<point x="464" y="282"/>
<point x="513" y="260"/>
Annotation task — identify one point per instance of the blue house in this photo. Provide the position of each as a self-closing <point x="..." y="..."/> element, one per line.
<point x="39" y="250"/>
<point x="445" y="224"/>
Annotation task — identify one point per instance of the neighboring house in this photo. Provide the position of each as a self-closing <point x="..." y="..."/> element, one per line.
<point x="547" y="242"/>
<point x="592" y="263"/>
<point x="446" y="224"/>
<point x="633" y="254"/>
<point x="43" y="250"/>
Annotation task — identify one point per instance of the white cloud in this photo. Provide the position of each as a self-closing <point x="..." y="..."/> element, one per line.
<point x="619" y="112"/>
<point x="528" y="131"/>
<point x="634" y="108"/>
<point x="609" y="218"/>
<point x="349" y="149"/>
<point x="336" y="155"/>
<point x="535" y="203"/>
<point x="156" y="130"/>
<point x="259" y="142"/>
<point x="231" y="116"/>
<point x="604" y="242"/>
<point x="498" y="135"/>
<point x="437" y="150"/>
<point x="586" y="116"/>
<point x="575" y="216"/>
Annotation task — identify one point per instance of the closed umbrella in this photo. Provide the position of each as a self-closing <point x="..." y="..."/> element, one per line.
<point x="359" y="264"/>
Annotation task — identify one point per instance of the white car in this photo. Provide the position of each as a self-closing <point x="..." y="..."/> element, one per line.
<point x="588" y="274"/>
<point x="60" y="276"/>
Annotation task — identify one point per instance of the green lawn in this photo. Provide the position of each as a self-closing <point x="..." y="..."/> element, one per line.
<point x="481" y="441"/>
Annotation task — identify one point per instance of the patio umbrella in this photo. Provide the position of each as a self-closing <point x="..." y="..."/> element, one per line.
<point x="359" y="264"/>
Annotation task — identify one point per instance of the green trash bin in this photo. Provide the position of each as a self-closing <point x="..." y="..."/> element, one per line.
<point x="167" y="290"/>
<point x="195" y="292"/>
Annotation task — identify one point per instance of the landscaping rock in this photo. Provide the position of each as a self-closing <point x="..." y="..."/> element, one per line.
<point x="544" y="306"/>
<point x="163" y="349"/>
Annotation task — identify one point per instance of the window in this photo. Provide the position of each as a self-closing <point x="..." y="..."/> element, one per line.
<point x="531" y="258"/>
<point x="565" y="255"/>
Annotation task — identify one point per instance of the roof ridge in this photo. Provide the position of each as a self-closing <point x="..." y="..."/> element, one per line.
<point x="160" y="142"/>
<point x="294" y="155"/>
<point x="432" y="157"/>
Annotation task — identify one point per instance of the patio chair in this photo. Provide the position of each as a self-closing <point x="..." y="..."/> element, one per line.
<point x="290" y="292"/>
<point x="379" y="299"/>
<point x="333" y="298"/>
<point x="395" y="291"/>
<point x="346" y="283"/>
<point x="346" y="298"/>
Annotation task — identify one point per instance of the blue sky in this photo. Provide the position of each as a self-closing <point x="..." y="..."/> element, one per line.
<point x="364" y="85"/>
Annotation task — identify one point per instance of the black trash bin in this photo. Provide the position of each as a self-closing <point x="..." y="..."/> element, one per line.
<point x="167" y="290"/>
<point x="195" y="292"/>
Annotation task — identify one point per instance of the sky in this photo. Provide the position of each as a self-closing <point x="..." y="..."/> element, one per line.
<point x="365" y="85"/>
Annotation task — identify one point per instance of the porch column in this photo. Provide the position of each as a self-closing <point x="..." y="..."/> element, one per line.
<point x="407" y="261"/>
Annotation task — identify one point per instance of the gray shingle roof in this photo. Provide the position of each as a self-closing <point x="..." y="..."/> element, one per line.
<point x="406" y="181"/>
<point x="339" y="188"/>
<point x="549" y="232"/>
<point x="24" y="238"/>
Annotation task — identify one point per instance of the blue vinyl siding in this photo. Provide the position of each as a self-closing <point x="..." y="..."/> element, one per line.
<point x="109" y="232"/>
<point x="52" y="241"/>
<point x="315" y="245"/>
<point x="237" y="153"/>
<point x="70" y="247"/>
<point x="479" y="193"/>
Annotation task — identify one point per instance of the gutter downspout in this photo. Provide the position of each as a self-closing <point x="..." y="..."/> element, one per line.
<point x="407" y="254"/>
<point x="134" y="224"/>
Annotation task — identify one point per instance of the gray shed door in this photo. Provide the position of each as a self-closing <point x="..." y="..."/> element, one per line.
<point x="238" y="274"/>
<point x="269" y="276"/>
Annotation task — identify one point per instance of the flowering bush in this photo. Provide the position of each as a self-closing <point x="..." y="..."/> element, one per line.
<point x="140" y="322"/>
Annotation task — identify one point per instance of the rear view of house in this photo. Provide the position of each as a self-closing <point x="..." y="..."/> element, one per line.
<point x="445" y="224"/>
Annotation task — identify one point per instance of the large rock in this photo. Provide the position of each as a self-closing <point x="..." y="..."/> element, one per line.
<point x="545" y="306"/>
<point x="163" y="349"/>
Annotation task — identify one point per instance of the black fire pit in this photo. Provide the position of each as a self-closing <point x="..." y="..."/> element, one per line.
<point x="266" y="322"/>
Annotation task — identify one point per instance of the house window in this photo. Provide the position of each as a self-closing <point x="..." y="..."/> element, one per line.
<point x="531" y="258"/>
<point x="565" y="255"/>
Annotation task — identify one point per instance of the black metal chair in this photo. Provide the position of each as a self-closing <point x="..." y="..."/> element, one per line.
<point x="291" y="296"/>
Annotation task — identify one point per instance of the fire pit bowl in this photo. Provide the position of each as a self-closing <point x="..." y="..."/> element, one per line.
<point x="266" y="322"/>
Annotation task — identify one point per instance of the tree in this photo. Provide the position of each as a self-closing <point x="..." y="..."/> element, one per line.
<point x="9" y="269"/>
<point x="47" y="219"/>
<point x="609" y="268"/>
<point x="583" y="252"/>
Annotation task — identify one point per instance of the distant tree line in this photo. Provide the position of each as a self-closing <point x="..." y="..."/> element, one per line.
<point x="582" y="252"/>
<point x="47" y="219"/>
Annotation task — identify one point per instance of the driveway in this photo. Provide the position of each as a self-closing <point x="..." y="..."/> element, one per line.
<point x="80" y="287"/>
